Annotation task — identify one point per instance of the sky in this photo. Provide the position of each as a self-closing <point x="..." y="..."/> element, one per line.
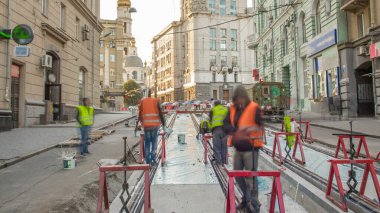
<point x="152" y="16"/>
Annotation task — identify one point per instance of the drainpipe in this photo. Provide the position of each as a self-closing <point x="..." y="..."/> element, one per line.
<point x="92" y="65"/>
<point x="8" y="56"/>
<point x="374" y="80"/>
<point x="295" y="57"/>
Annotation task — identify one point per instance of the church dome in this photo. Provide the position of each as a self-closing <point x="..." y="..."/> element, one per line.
<point x="121" y="3"/>
<point x="133" y="61"/>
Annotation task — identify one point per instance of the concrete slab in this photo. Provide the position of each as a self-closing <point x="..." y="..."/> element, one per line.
<point x="188" y="198"/>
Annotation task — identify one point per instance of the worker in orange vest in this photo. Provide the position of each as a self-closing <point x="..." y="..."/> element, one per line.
<point x="151" y="118"/>
<point x="244" y="125"/>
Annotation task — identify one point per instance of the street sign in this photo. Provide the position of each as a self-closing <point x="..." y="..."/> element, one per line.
<point x="22" y="34"/>
<point x="5" y="33"/>
<point x="21" y="51"/>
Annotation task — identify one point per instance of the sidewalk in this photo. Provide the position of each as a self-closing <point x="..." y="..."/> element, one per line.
<point x="25" y="141"/>
<point x="323" y="128"/>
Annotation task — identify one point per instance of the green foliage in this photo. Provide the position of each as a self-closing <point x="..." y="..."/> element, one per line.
<point x="133" y="91"/>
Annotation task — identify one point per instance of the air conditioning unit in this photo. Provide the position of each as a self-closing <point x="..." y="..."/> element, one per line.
<point x="86" y="28"/>
<point x="47" y="61"/>
<point x="363" y="50"/>
<point x="235" y="69"/>
<point x="214" y="68"/>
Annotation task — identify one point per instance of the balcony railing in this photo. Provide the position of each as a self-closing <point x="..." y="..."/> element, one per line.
<point x="253" y="40"/>
<point x="353" y="5"/>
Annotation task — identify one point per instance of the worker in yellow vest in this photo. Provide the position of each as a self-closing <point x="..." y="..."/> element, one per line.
<point x="219" y="139"/>
<point x="85" y="118"/>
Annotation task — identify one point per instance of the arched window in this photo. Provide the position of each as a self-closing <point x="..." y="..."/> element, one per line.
<point x="302" y="28"/>
<point x="318" y="23"/>
<point x="134" y="75"/>
<point x="128" y="76"/>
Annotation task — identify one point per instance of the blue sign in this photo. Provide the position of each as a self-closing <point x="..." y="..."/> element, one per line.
<point x="322" y="42"/>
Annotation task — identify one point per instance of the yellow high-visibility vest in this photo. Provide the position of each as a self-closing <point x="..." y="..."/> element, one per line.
<point x="86" y="115"/>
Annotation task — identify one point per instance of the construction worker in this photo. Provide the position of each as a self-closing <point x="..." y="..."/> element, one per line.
<point x="244" y="124"/>
<point x="204" y="127"/>
<point x="85" y="118"/>
<point x="151" y="117"/>
<point x="219" y="139"/>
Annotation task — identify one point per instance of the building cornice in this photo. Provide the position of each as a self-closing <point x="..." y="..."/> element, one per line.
<point x="57" y="33"/>
<point x="83" y="9"/>
<point x="166" y="30"/>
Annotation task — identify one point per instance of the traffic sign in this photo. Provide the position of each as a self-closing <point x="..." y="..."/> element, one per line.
<point x="21" y="51"/>
<point x="22" y="34"/>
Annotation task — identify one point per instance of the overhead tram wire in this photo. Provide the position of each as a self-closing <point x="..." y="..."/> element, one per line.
<point x="245" y="17"/>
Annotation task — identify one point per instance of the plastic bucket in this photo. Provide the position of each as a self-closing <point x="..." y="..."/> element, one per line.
<point x="181" y="138"/>
<point x="69" y="163"/>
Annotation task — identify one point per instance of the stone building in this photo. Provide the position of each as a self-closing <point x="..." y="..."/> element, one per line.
<point x="63" y="64"/>
<point x="205" y="54"/>
<point x="115" y="46"/>
<point x="134" y="68"/>
<point x="296" y="43"/>
<point x="360" y="22"/>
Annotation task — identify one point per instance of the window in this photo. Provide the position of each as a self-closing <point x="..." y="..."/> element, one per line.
<point x="212" y="60"/>
<point x="223" y="33"/>
<point x="303" y="28"/>
<point x="223" y="45"/>
<point x="125" y="27"/>
<point x="134" y="75"/>
<point x="215" y="94"/>
<point x="212" y="33"/>
<point x="112" y="84"/>
<point x="234" y="61"/>
<point x="127" y="76"/>
<point x="233" y="7"/>
<point x="112" y="58"/>
<point x="223" y="61"/>
<point x="112" y="72"/>
<point x="44" y="6"/>
<point x="77" y="28"/>
<point x="234" y="45"/>
<point x="112" y="44"/>
<point x="212" y="44"/>
<point x="225" y="78"/>
<point x="62" y="16"/>
<point x="213" y="76"/>
<point x="101" y="57"/>
<point x="234" y="34"/>
<point x="101" y="43"/>
<point x="112" y="31"/>
<point x="81" y="84"/>
<point x="318" y="24"/>
<point x="361" y="25"/>
<point x="222" y="7"/>
<point x="211" y="6"/>
<point x="286" y="42"/>
<point x="235" y="77"/>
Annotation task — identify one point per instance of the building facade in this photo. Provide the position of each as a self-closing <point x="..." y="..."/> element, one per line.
<point x="116" y="45"/>
<point x="296" y="43"/>
<point x="205" y="52"/>
<point x="360" y="66"/>
<point x="62" y="67"/>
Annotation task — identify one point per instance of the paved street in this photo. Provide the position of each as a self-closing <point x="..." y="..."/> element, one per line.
<point x="39" y="184"/>
<point x="23" y="141"/>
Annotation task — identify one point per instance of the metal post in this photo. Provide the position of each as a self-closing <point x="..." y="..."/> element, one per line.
<point x="374" y="81"/>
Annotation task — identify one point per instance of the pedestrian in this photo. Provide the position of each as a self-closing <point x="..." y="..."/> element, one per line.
<point x="85" y="118"/>
<point x="150" y="116"/>
<point x="244" y="124"/>
<point x="219" y="139"/>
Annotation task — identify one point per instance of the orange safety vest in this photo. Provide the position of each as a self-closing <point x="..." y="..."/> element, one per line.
<point x="149" y="112"/>
<point x="247" y="119"/>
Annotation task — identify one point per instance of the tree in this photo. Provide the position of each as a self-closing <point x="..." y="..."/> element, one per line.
<point x="133" y="92"/>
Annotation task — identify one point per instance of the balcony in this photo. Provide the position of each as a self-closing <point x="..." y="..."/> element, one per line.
<point x="253" y="41"/>
<point x="353" y="5"/>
